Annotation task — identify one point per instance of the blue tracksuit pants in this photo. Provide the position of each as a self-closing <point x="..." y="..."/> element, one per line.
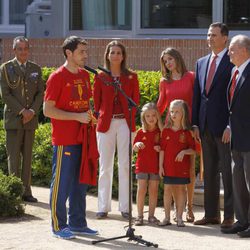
<point x="65" y="185"/>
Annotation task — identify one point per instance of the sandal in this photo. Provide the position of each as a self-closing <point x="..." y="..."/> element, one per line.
<point x="174" y="215"/>
<point x="139" y="221"/>
<point x="153" y="220"/>
<point x="165" y="222"/>
<point x="180" y="223"/>
<point x="190" y="215"/>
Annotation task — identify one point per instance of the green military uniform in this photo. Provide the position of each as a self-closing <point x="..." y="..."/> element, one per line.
<point x="20" y="90"/>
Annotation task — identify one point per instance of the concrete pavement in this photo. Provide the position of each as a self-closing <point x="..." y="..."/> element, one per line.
<point x="33" y="231"/>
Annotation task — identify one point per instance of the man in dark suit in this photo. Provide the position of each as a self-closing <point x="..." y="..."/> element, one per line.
<point x="239" y="103"/>
<point x="210" y="119"/>
<point x="22" y="92"/>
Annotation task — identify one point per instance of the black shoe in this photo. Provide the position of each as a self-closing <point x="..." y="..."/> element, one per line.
<point x="29" y="198"/>
<point x="245" y="233"/>
<point x="234" y="229"/>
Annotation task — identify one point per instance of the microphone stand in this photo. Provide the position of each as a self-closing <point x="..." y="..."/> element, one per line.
<point x="130" y="232"/>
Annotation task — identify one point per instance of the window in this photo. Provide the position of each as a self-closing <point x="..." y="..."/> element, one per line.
<point x="176" y="13"/>
<point x="235" y="15"/>
<point x="17" y="9"/>
<point x="100" y="14"/>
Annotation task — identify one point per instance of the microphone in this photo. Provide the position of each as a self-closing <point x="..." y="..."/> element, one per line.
<point x="91" y="70"/>
<point x="104" y="70"/>
<point x="116" y="84"/>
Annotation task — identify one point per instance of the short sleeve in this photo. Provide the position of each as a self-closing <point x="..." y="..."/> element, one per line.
<point x="163" y="141"/>
<point x="53" y="88"/>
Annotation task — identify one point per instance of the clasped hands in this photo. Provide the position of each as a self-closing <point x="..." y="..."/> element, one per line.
<point x="27" y="115"/>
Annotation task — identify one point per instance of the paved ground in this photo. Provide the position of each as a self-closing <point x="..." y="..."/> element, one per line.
<point x="32" y="232"/>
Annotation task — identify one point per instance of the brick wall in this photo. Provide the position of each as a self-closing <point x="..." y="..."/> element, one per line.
<point x="142" y="54"/>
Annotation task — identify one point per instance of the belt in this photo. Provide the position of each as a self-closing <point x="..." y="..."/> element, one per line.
<point x="118" y="116"/>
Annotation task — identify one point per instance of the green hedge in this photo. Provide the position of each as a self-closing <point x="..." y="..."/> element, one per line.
<point x="42" y="156"/>
<point x="11" y="190"/>
<point x="3" y="155"/>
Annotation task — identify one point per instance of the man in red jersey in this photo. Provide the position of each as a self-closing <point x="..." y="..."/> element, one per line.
<point x="67" y="104"/>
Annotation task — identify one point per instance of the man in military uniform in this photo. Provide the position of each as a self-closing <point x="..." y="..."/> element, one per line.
<point x="22" y="91"/>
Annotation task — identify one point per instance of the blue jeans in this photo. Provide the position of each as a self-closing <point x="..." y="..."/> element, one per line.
<point x="65" y="184"/>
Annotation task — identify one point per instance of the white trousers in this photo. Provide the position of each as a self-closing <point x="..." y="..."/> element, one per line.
<point x="118" y="134"/>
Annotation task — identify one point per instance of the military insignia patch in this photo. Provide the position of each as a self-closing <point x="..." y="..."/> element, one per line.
<point x="34" y="75"/>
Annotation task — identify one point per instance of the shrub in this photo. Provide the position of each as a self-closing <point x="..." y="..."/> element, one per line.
<point x="3" y="154"/>
<point x="42" y="156"/>
<point x="46" y="73"/>
<point x="11" y="190"/>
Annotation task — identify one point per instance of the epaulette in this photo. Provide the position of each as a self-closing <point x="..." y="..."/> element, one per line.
<point x="8" y="70"/>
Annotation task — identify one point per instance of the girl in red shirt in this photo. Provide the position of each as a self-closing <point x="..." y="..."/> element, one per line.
<point x="147" y="146"/>
<point x="177" y="145"/>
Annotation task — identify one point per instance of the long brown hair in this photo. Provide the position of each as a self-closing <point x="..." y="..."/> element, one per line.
<point x="124" y="68"/>
<point x="180" y="65"/>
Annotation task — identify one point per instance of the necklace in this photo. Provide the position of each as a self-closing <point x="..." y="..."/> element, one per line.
<point x="176" y="77"/>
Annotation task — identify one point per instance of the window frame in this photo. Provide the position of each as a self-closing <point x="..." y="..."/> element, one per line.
<point x="5" y="26"/>
<point x="103" y="33"/>
<point x="194" y="33"/>
<point x="140" y="33"/>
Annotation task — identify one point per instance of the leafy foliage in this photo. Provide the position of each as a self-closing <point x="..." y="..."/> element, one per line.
<point x="46" y="73"/>
<point x="42" y="156"/>
<point x="11" y="190"/>
<point x="3" y="155"/>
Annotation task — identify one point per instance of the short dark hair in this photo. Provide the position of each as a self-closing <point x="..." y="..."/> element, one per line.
<point x="223" y="28"/>
<point x="71" y="43"/>
<point x="20" y="39"/>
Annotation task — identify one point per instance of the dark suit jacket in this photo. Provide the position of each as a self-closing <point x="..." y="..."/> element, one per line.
<point x="211" y="110"/>
<point x="240" y="113"/>
<point x="18" y="91"/>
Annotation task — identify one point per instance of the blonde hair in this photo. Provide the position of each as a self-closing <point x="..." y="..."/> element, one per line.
<point x="145" y="108"/>
<point x="185" y="123"/>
